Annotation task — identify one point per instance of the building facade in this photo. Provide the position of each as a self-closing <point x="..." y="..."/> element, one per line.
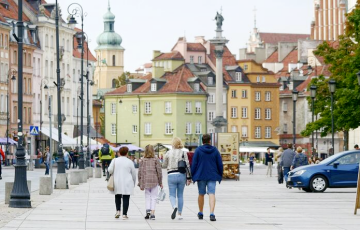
<point x="5" y="77"/>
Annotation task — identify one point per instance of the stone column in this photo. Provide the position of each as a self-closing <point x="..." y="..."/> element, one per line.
<point x="219" y="82"/>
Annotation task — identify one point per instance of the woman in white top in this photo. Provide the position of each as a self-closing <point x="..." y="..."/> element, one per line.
<point x="124" y="181"/>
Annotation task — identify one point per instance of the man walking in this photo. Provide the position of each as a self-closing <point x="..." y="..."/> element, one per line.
<point x="47" y="160"/>
<point x="286" y="160"/>
<point x="206" y="170"/>
<point x="269" y="162"/>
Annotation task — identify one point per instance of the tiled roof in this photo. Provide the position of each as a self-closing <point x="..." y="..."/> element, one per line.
<point x="77" y="54"/>
<point x="195" y="47"/>
<point x="12" y="12"/>
<point x="147" y="65"/>
<point x="292" y="57"/>
<point x="169" y="56"/>
<point x="228" y="60"/>
<point x="274" y="38"/>
<point x="273" y="58"/>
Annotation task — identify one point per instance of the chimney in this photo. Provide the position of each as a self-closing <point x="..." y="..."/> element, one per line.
<point x="156" y="53"/>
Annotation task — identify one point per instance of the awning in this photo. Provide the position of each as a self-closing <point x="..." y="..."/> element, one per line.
<point x="92" y="142"/>
<point x="248" y="149"/>
<point x="265" y="144"/>
<point x="66" y="140"/>
<point x="92" y="133"/>
<point x="4" y="141"/>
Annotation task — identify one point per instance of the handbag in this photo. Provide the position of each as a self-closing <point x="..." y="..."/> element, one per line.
<point x="161" y="195"/>
<point x="110" y="182"/>
<point x="182" y="165"/>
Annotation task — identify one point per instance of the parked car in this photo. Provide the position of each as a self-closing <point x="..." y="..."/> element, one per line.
<point x="338" y="171"/>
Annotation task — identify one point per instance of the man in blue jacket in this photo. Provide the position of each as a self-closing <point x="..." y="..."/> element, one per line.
<point x="206" y="170"/>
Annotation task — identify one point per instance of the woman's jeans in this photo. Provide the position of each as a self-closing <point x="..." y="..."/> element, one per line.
<point x="47" y="169"/>
<point x="177" y="183"/>
<point x="251" y="167"/>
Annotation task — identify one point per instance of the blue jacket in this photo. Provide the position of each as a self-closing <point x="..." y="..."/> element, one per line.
<point x="207" y="164"/>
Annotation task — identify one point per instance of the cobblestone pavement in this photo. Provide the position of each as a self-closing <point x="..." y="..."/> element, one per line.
<point x="254" y="202"/>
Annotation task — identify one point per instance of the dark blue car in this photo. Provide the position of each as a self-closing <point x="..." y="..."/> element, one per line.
<point x="338" y="171"/>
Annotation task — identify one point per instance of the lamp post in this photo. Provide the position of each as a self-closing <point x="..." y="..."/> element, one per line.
<point x="13" y="78"/>
<point x="20" y="196"/>
<point x="78" y="11"/>
<point x="313" y="95"/>
<point x="41" y="122"/>
<point x="332" y="88"/>
<point x="295" y="94"/>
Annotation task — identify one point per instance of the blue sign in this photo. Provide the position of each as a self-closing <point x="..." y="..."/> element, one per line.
<point x="34" y="130"/>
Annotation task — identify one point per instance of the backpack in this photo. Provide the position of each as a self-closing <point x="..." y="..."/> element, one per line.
<point x="105" y="150"/>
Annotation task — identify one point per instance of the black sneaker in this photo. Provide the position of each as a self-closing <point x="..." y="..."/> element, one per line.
<point x="147" y="216"/>
<point x="152" y="217"/>
<point x="200" y="216"/>
<point x="0" y="178"/>
<point x="173" y="215"/>
<point x="212" y="218"/>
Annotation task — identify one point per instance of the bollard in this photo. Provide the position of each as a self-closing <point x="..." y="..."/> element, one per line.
<point x="9" y="187"/>
<point x="45" y="186"/>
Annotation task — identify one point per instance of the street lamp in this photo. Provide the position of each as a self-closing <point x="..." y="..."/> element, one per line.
<point x="20" y="196"/>
<point x="313" y="95"/>
<point x="41" y="122"/>
<point x="332" y="88"/>
<point x="295" y="94"/>
<point x="78" y="11"/>
<point x="13" y="78"/>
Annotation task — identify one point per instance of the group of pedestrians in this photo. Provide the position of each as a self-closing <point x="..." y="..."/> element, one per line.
<point x="206" y="169"/>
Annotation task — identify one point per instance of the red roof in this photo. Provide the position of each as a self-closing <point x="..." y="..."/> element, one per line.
<point x="195" y="47"/>
<point x="77" y="54"/>
<point x="147" y="65"/>
<point x="292" y="57"/>
<point x="274" y="38"/>
<point x="12" y="12"/>
<point x="169" y="56"/>
<point x="273" y="58"/>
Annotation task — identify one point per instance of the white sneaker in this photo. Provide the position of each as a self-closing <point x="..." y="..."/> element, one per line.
<point x="180" y="218"/>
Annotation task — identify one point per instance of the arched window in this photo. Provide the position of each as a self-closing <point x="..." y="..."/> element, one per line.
<point x="114" y="83"/>
<point x="52" y="41"/>
<point x="113" y="60"/>
<point x="111" y="26"/>
<point x="46" y="40"/>
<point x="1" y="40"/>
<point x="6" y="41"/>
<point x="29" y="115"/>
<point x="15" y="114"/>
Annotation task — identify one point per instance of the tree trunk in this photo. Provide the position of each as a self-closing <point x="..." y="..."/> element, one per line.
<point x="346" y="140"/>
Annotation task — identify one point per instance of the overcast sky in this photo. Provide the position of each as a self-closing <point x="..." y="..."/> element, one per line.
<point x="147" y="25"/>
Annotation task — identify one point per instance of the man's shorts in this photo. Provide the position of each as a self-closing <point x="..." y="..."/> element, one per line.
<point x="206" y="187"/>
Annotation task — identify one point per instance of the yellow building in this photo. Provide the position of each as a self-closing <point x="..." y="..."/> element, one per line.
<point x="253" y="105"/>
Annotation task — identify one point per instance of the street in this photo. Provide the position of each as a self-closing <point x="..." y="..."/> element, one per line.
<point x="254" y="202"/>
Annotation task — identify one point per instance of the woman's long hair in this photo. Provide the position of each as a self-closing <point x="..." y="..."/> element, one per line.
<point x="149" y="152"/>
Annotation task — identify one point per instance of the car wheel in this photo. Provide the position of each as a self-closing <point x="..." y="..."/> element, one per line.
<point x="318" y="183"/>
<point x="307" y="189"/>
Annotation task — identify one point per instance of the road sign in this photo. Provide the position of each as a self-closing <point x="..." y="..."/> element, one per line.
<point x="34" y="130"/>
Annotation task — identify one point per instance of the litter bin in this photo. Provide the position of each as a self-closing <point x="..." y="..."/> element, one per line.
<point x="37" y="163"/>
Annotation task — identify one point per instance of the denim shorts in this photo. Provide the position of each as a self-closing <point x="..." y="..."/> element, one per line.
<point x="206" y="187"/>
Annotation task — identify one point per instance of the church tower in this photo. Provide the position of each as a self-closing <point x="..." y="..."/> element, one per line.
<point x="109" y="54"/>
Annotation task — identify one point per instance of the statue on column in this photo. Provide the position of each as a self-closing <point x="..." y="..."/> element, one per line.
<point x="219" y="20"/>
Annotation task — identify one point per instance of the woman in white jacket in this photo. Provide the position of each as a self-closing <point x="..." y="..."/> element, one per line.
<point x="124" y="181"/>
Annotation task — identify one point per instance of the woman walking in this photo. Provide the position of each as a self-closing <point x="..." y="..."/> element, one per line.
<point x="279" y="168"/>
<point x="177" y="179"/>
<point x="150" y="177"/>
<point x="300" y="159"/>
<point x="251" y="163"/>
<point x="124" y="181"/>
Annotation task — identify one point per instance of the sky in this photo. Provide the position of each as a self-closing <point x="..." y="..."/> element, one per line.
<point x="147" y="25"/>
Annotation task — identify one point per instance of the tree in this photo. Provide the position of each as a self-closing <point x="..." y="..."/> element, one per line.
<point x="122" y="79"/>
<point x="343" y="58"/>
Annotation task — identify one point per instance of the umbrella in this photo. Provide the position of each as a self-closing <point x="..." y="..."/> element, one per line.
<point x="3" y="141"/>
<point x="132" y="147"/>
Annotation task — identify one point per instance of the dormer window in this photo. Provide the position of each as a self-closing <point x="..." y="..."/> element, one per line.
<point x="238" y="76"/>
<point x="196" y="87"/>
<point x="263" y="79"/>
<point x="258" y="79"/>
<point x="129" y="88"/>
<point x="191" y="59"/>
<point x="200" y="60"/>
<point x="153" y="87"/>
<point x="203" y="69"/>
<point x="210" y="80"/>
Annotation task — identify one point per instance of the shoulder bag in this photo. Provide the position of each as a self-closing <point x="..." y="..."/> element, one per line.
<point x="182" y="165"/>
<point x="110" y="183"/>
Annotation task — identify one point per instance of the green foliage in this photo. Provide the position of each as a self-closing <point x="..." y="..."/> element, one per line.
<point x="343" y="58"/>
<point x="102" y="125"/>
<point x="122" y="79"/>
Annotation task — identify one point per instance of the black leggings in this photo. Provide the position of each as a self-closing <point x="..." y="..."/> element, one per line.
<point x="126" y="199"/>
<point x="105" y="162"/>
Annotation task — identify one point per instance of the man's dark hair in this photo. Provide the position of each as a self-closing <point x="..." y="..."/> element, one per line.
<point x="268" y="148"/>
<point x="206" y="139"/>
<point x="290" y="146"/>
<point x="356" y="146"/>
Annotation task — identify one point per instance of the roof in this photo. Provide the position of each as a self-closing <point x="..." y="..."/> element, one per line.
<point x="274" y="38"/>
<point x="77" y="54"/>
<point x="273" y="58"/>
<point x="147" y="65"/>
<point x="292" y="57"/>
<point x="12" y="12"/>
<point x="169" y="56"/>
<point x="195" y="47"/>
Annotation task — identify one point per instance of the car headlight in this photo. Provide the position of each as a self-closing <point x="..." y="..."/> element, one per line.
<point x="299" y="172"/>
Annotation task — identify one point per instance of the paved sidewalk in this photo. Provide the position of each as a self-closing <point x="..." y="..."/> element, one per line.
<point x="255" y="202"/>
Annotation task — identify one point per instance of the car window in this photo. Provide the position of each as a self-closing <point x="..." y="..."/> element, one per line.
<point x="348" y="159"/>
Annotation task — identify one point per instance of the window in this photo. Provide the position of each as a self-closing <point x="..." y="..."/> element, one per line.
<point x="188" y="107"/>
<point x="2" y="103"/>
<point x="67" y="45"/>
<point x="246" y="67"/>
<point x="46" y="40"/>
<point x="233" y="128"/>
<point x="233" y="112"/>
<point x="198" y="107"/>
<point x="68" y="106"/>
<point x="211" y="130"/>
<point x="285" y="128"/>
<point x="233" y="93"/>
<point x="244" y="112"/>
<point x="29" y="115"/>
<point x="129" y="88"/>
<point x="74" y="107"/>
<point x="113" y="60"/>
<point x="147" y="107"/>
<point x="211" y="115"/>
<point x="258" y="132"/>
<point x="196" y="87"/>
<point x="1" y="40"/>
<point x="267" y="114"/>
<point x="210" y="80"/>
<point x="285" y="106"/>
<point x="211" y="98"/>
<point x="52" y="41"/>
<point x="244" y="131"/>
<point x="238" y="76"/>
<point x="113" y="108"/>
<point x="203" y="70"/>
<point x="168" y="128"/>
<point x="15" y="116"/>
<point x="167" y="107"/>
<point x="267" y="96"/>
<point x="25" y="115"/>
<point x="113" y="129"/>
<point x="224" y="98"/>
<point x="257" y="96"/>
<point x="258" y="79"/>
<point x="257" y="113"/>
<point x="200" y="60"/>
<point x="348" y="159"/>
<point x="198" y="128"/>
<point x="244" y="93"/>
<point x="29" y="86"/>
<point x="134" y="129"/>
<point x="263" y="79"/>
<point x="153" y="87"/>
<point x="134" y="108"/>
<point x="147" y="128"/>
<point x="188" y="128"/>
<point x="267" y="132"/>
<point x="191" y="59"/>
<point x="113" y="83"/>
<point x="15" y="57"/>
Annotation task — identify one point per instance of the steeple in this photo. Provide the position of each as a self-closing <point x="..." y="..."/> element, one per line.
<point x="255" y="16"/>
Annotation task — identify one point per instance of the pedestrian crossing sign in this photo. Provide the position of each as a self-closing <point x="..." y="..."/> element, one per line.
<point x="34" y="130"/>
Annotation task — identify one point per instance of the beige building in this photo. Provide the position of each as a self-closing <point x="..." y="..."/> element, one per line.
<point x="4" y="75"/>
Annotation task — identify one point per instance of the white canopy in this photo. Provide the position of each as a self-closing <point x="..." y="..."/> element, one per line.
<point x="248" y="149"/>
<point x="66" y="140"/>
<point x="170" y="147"/>
<point x="92" y="142"/>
